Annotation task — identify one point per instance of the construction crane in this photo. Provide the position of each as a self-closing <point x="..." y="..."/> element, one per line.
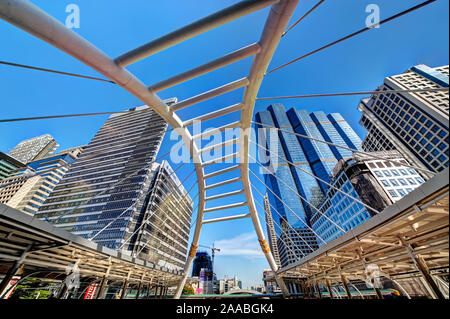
<point x="213" y="252"/>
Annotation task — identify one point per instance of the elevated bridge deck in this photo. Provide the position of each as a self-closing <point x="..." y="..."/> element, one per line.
<point x="34" y="246"/>
<point x="407" y="239"/>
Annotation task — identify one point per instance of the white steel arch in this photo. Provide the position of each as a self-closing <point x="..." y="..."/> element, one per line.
<point x="31" y="19"/>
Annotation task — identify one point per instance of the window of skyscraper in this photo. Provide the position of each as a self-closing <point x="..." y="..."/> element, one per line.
<point x="393" y="193"/>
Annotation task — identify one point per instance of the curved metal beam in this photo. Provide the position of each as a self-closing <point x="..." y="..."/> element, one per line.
<point x="33" y="20"/>
<point x="30" y="18"/>
<point x="276" y="23"/>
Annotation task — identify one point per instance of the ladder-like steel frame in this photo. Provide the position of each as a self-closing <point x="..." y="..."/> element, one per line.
<point x="33" y="20"/>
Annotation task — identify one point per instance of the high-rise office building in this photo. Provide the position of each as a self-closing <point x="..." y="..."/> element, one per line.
<point x="201" y="261"/>
<point x="107" y="193"/>
<point x="164" y="238"/>
<point x="34" y="148"/>
<point x="414" y="123"/>
<point x="311" y="158"/>
<point x="9" y="166"/>
<point x="228" y="284"/>
<point x="29" y="188"/>
<point x="375" y="182"/>
<point x="271" y="235"/>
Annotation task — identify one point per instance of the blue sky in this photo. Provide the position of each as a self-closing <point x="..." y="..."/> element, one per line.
<point x="117" y="26"/>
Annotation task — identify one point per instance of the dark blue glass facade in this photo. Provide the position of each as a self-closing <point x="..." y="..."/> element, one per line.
<point x="293" y="212"/>
<point x="311" y="158"/>
<point x="339" y="210"/>
<point x="347" y="133"/>
<point x="201" y="261"/>
<point x="330" y="134"/>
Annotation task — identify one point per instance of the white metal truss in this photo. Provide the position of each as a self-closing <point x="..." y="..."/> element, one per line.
<point x="33" y="20"/>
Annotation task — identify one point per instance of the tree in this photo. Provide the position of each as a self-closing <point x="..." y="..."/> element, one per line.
<point x="30" y="288"/>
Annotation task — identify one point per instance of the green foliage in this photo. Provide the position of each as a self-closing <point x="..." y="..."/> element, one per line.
<point x="30" y="289"/>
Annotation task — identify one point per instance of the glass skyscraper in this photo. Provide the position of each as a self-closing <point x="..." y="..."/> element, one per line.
<point x="311" y="158"/>
<point x="8" y="165"/>
<point x="115" y="186"/>
<point x="30" y="187"/>
<point x="376" y="182"/>
<point x="34" y="148"/>
<point x="201" y="261"/>
<point x="164" y="237"/>
<point x="112" y="174"/>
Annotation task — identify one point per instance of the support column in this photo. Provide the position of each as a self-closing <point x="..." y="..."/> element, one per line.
<point x="282" y="285"/>
<point x="138" y="293"/>
<point x="312" y="293"/>
<point x="62" y="291"/>
<point x="188" y="265"/>
<point x="378" y="292"/>
<point x="125" y="285"/>
<point x="302" y="288"/>
<point x="318" y="290"/>
<point x="305" y="289"/>
<point x="347" y="289"/>
<point x="148" y="291"/>
<point x="329" y="288"/>
<point x="124" y="289"/>
<point x="423" y="269"/>
<point x="13" y="271"/>
<point x="376" y="289"/>
<point x="101" y="288"/>
<point x="140" y="286"/>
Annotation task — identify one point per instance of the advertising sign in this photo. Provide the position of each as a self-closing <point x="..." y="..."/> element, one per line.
<point x="90" y="291"/>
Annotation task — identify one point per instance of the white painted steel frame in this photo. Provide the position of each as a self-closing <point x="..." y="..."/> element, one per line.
<point x="33" y="20"/>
